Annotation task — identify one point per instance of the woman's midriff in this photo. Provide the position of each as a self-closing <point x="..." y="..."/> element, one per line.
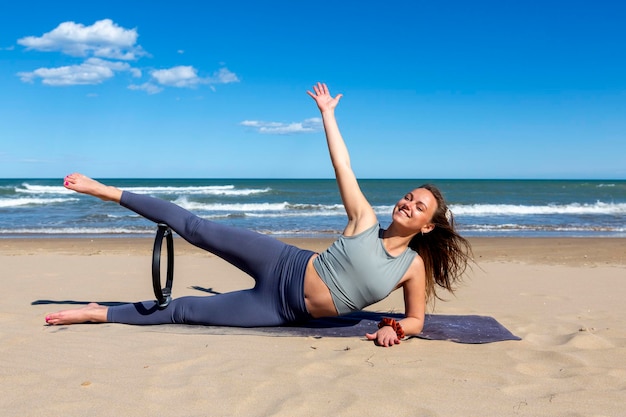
<point x="319" y="302"/>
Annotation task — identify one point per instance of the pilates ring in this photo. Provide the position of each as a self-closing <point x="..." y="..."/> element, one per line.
<point x="163" y="295"/>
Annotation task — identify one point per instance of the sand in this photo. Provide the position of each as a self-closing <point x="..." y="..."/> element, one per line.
<point x="563" y="297"/>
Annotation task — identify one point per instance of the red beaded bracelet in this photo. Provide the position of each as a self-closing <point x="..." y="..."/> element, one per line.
<point x="394" y="325"/>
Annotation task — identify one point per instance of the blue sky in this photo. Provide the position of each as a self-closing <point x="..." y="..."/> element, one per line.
<point x="450" y="89"/>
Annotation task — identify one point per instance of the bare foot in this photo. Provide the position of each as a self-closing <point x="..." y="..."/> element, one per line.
<point x="92" y="312"/>
<point x="86" y="185"/>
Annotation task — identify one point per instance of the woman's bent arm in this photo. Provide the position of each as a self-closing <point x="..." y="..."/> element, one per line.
<point x="414" y="287"/>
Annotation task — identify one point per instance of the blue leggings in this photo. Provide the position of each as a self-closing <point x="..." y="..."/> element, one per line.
<point x="277" y="268"/>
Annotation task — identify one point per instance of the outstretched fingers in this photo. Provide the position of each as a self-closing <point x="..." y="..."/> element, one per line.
<point x="320" y="89"/>
<point x="322" y="97"/>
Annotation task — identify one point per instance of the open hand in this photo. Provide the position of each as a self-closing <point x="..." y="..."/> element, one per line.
<point x="322" y="97"/>
<point x="385" y="336"/>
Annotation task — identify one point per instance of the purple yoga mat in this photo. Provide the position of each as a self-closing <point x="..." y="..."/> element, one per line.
<point x="455" y="328"/>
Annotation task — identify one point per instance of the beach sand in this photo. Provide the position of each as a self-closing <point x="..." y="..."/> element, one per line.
<point x="563" y="297"/>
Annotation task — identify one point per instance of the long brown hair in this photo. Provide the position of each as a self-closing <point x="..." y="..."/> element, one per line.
<point x="445" y="253"/>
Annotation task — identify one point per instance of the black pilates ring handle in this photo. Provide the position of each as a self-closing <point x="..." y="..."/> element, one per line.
<point x="163" y="296"/>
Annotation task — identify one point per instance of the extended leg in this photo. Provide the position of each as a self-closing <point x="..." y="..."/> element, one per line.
<point x="245" y="249"/>
<point x="239" y="309"/>
<point x="277" y="268"/>
<point x="249" y="251"/>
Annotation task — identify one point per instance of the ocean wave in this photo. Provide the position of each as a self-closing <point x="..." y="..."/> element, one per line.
<point x="21" y="202"/>
<point x="217" y="190"/>
<point x="77" y="231"/>
<point x="475" y="210"/>
<point x="42" y="189"/>
<point x="476" y="230"/>
<point x="302" y="233"/>
<point x="540" y="228"/>
<point x="298" y="214"/>
<point x="315" y="207"/>
<point x="510" y="209"/>
<point x="246" y="207"/>
<point x="283" y="208"/>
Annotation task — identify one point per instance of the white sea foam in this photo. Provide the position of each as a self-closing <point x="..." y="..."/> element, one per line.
<point x="294" y="214"/>
<point x="597" y="208"/>
<point x="511" y="227"/>
<point x="302" y="233"/>
<point x="42" y="189"/>
<point x="74" y="231"/>
<point x="225" y="190"/>
<point x="489" y="229"/>
<point x="286" y="208"/>
<point x="247" y="207"/>
<point x="283" y="208"/>
<point x="216" y="190"/>
<point x="510" y="209"/>
<point x="21" y="202"/>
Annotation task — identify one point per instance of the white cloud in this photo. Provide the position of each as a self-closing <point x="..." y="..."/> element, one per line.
<point x="92" y="71"/>
<point x="187" y="76"/>
<point x="180" y="76"/>
<point x="104" y="39"/>
<point x="278" y="128"/>
<point x="148" y="87"/>
<point x="107" y="47"/>
<point x="223" y="76"/>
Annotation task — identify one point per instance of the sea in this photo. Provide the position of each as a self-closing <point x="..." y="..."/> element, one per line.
<point x="43" y="208"/>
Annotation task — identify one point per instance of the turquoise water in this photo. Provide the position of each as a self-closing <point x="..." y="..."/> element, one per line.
<point x="310" y="208"/>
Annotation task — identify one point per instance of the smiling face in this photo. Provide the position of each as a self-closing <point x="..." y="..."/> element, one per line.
<point x="415" y="211"/>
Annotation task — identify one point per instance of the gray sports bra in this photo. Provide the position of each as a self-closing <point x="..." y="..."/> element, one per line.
<point x="359" y="271"/>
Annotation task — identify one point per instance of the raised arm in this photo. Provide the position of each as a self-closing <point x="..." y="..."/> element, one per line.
<point x="360" y="213"/>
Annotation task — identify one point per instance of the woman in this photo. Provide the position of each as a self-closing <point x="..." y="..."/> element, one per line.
<point x="418" y="251"/>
